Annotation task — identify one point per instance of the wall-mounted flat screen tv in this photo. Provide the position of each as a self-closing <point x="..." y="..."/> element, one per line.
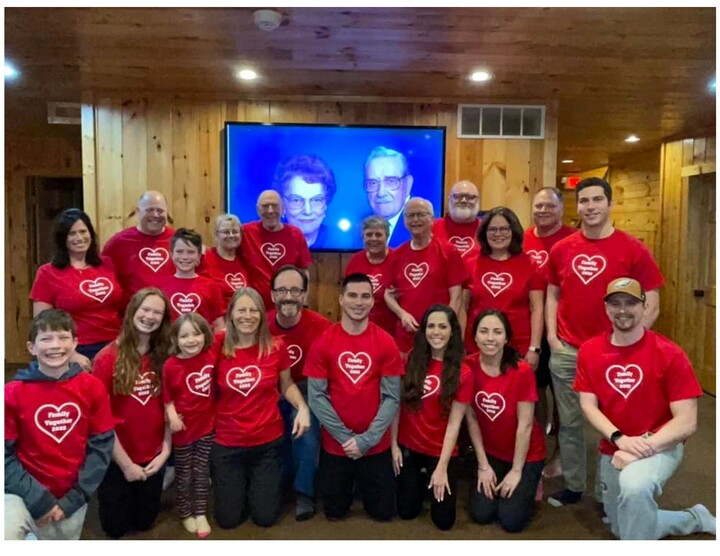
<point x="331" y="177"/>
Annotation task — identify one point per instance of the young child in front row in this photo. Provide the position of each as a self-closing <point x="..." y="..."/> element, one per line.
<point x="188" y="377"/>
<point x="58" y="436"/>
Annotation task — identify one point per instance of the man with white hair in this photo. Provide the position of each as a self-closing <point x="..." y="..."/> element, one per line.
<point x="460" y="225"/>
<point x="424" y="271"/>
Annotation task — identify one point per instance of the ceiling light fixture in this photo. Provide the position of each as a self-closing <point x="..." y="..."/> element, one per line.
<point x="567" y="161"/>
<point x="712" y="85"/>
<point x="11" y="72"/>
<point x="632" y="139"/>
<point x="247" y="75"/>
<point x="480" y="76"/>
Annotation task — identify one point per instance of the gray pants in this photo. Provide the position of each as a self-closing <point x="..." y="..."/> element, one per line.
<point x="19" y="523"/>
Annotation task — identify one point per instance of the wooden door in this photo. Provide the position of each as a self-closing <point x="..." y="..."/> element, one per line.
<point x="697" y="300"/>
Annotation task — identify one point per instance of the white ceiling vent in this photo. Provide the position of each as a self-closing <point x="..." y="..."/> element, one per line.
<point x="494" y="121"/>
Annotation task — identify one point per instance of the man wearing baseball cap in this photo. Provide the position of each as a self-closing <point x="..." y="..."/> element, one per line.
<point x="638" y="389"/>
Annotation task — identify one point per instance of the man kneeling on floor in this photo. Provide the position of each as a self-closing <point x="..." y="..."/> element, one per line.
<point x="638" y="389"/>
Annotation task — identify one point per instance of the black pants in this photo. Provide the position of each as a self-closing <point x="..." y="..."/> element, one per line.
<point x="247" y="481"/>
<point x="376" y="483"/>
<point x="412" y="487"/>
<point x="514" y="513"/>
<point x="128" y="506"/>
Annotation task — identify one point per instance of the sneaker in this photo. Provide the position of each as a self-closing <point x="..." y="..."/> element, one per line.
<point x="169" y="477"/>
<point x="304" y="508"/>
<point x="564" y="497"/>
<point x="706" y="519"/>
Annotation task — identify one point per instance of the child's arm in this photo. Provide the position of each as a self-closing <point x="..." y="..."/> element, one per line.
<point x="158" y="461"/>
<point x="131" y="470"/>
<point x="174" y="420"/>
<point x="38" y="500"/>
<point x="97" y="458"/>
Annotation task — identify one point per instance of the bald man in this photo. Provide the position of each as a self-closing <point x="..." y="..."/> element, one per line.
<point x="460" y="225"/>
<point x="269" y="244"/>
<point x="141" y="254"/>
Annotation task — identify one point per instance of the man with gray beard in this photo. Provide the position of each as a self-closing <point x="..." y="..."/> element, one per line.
<point x="460" y="225"/>
<point x="298" y="328"/>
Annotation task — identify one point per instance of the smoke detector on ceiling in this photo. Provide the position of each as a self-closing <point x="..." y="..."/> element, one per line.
<point x="267" y="20"/>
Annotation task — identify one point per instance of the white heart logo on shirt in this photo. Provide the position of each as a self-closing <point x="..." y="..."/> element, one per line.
<point x="244" y="379"/>
<point x="496" y="283"/>
<point x="462" y="244"/>
<point x="538" y="257"/>
<point x="235" y="281"/>
<point x="98" y="289"/>
<point x="272" y="252"/>
<point x="624" y="379"/>
<point x="154" y="259"/>
<point x="183" y="303"/>
<point x="143" y="389"/>
<point x="354" y="365"/>
<point x="375" y="280"/>
<point x="492" y="405"/>
<point x="57" y="422"/>
<point x="295" y="352"/>
<point x="430" y="386"/>
<point x="588" y="268"/>
<point x="199" y="382"/>
<point x="415" y="273"/>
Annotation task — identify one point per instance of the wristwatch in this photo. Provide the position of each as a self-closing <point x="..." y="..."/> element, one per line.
<point x="534" y="349"/>
<point x="614" y="437"/>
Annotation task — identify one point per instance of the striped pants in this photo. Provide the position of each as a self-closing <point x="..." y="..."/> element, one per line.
<point x="192" y="473"/>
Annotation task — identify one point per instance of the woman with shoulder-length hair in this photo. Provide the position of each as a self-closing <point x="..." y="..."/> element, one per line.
<point x="246" y="456"/>
<point x="81" y="282"/>
<point x="437" y="388"/>
<point x="508" y="442"/>
<point x="131" y="370"/>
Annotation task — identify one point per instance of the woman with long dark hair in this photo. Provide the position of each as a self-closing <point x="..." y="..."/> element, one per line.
<point x="437" y="389"/>
<point x="81" y="282"/>
<point x="131" y="370"/>
<point x="508" y="442"/>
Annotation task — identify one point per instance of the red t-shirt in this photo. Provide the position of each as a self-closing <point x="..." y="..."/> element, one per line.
<point x="505" y="286"/>
<point x="353" y="366"/>
<point x="421" y="278"/>
<point x="636" y="384"/>
<point x="193" y="295"/>
<point x="380" y="277"/>
<point x="139" y="259"/>
<point x="140" y="416"/>
<point x="299" y="338"/>
<point x="424" y="431"/>
<point x="188" y="384"/>
<point x="92" y="297"/>
<point x="538" y="248"/>
<point x="495" y="403"/>
<point x="264" y="252"/>
<point x="463" y="237"/>
<point x="246" y="412"/>
<point x="230" y="275"/>
<point x="51" y="421"/>
<point x="582" y="268"/>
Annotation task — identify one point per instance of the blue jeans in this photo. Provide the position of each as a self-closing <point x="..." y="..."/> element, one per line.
<point x="300" y="455"/>
<point x="629" y="498"/>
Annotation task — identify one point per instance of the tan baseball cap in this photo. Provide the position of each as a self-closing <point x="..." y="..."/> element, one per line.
<point x="625" y="285"/>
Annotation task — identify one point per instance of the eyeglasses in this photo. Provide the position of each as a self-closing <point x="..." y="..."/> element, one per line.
<point x="296" y="202"/>
<point x="390" y="182"/>
<point x="499" y="230"/>
<point x="412" y="215"/>
<point x="464" y="197"/>
<point x="294" y="292"/>
<point x="226" y="233"/>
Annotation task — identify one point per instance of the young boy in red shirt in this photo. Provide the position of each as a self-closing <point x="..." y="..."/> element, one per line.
<point x="58" y="436"/>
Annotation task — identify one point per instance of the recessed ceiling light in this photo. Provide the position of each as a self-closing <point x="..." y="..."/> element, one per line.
<point x="712" y="86"/>
<point x="567" y="161"/>
<point x="632" y="139"/>
<point x="247" y="75"/>
<point x="11" y="72"/>
<point x="480" y="76"/>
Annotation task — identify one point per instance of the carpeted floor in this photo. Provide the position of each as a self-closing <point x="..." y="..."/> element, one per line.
<point x="695" y="482"/>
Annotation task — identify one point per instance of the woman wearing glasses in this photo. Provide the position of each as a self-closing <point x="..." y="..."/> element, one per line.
<point x="307" y="186"/>
<point x="505" y="279"/>
<point x="246" y="456"/>
<point x="223" y="262"/>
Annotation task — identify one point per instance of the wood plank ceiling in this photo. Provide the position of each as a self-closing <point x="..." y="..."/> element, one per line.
<point x="613" y="71"/>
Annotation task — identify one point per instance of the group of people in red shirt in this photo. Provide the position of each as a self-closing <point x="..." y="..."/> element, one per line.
<point x="453" y="326"/>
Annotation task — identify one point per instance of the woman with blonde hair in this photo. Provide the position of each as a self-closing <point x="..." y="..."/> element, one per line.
<point x="246" y="462"/>
<point x="131" y="370"/>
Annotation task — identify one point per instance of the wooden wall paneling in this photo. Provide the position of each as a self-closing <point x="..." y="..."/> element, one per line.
<point x="134" y="152"/>
<point x="710" y="150"/>
<point x="330" y="113"/>
<point x="688" y="314"/>
<point x="550" y="144"/>
<point x="494" y="172"/>
<point x="111" y="215"/>
<point x="447" y="116"/>
<point x="211" y="121"/>
<point x="536" y="176"/>
<point x="87" y="130"/>
<point x="187" y="198"/>
<point x="518" y="195"/>
<point x="377" y="113"/>
<point x="257" y="111"/>
<point x="159" y="141"/>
